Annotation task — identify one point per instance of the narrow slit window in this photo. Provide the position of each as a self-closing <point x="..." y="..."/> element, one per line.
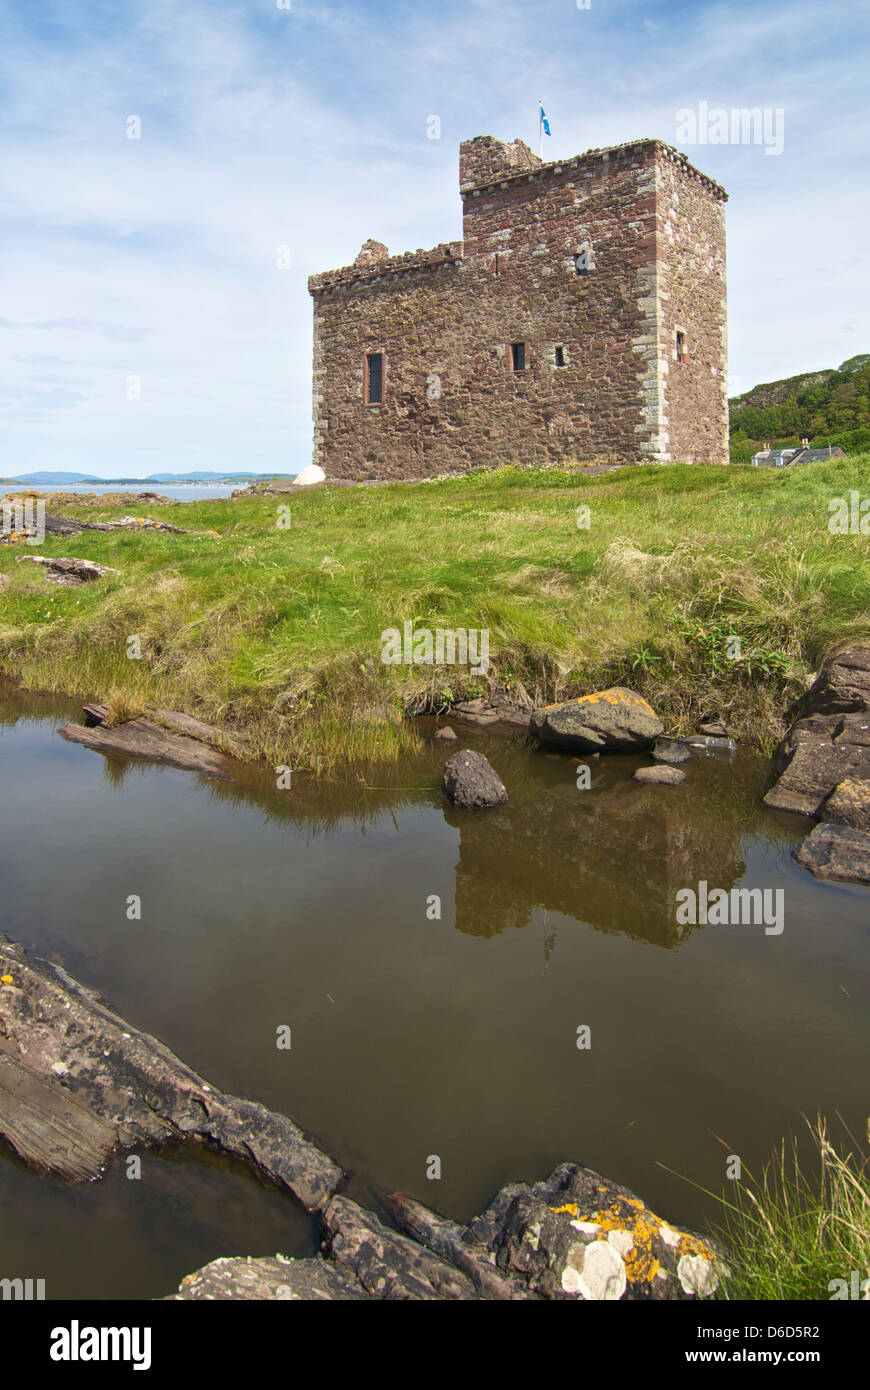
<point x="560" y="357"/>
<point x="518" y="356"/>
<point x="681" y="345"/>
<point x="374" y="378"/>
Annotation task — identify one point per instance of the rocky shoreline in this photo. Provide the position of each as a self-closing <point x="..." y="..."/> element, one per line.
<point x="78" y="1085"/>
<point x="823" y="765"/>
<point x="824" y="770"/>
<point x="573" y="1236"/>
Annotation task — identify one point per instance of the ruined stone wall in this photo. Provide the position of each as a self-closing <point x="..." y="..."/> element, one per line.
<point x="692" y="294"/>
<point x="445" y="322"/>
<point x="407" y="315"/>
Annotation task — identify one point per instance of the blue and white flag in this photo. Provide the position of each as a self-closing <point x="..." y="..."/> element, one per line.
<point x="544" y="122"/>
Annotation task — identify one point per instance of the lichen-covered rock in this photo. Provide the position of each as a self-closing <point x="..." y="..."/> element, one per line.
<point x="470" y="781"/>
<point x="849" y="803"/>
<point x="838" y="852"/>
<point x="617" y="720"/>
<point x="270" y="1277"/>
<point x="574" y="1236"/>
<point x="579" y="1236"/>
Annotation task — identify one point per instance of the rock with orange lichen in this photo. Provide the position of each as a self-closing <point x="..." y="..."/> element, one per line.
<point x="577" y="1235"/>
<point x="574" y="1236"/>
<point x="615" y="720"/>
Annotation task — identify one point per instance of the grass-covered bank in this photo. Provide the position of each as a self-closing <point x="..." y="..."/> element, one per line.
<point x="277" y="629"/>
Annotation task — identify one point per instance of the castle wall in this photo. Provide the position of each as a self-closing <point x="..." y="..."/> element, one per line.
<point x="445" y="322"/>
<point x="410" y="317"/>
<point x="692" y="295"/>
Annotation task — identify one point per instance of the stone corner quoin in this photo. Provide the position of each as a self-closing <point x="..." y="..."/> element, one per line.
<point x="582" y="316"/>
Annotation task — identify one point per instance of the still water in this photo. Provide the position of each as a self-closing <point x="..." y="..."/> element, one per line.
<point x="182" y="492"/>
<point x="412" y="1035"/>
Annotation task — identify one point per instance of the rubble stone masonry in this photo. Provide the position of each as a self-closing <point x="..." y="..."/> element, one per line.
<point x="591" y="266"/>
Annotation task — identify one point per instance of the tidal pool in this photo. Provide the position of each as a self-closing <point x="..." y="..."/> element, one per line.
<point x="416" y="1035"/>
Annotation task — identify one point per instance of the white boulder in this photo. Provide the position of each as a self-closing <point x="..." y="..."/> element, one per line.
<point x="312" y="474"/>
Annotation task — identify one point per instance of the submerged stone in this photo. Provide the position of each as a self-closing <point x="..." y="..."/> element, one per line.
<point x="660" y="776"/>
<point x="838" y="852"/>
<point x="667" y="750"/>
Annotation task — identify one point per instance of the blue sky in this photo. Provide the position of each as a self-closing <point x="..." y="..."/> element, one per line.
<point x="300" y="131"/>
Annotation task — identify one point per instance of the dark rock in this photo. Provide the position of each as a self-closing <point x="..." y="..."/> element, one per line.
<point x="147" y="741"/>
<point x="498" y="710"/>
<point x="660" y="776"/>
<point x="843" y="685"/>
<point x="77" y="1083"/>
<point x="849" y="804"/>
<point x="617" y="720"/>
<point x="830" y="742"/>
<point x="68" y="573"/>
<point x="574" y="1236"/>
<point x="446" y="733"/>
<point x="517" y="718"/>
<point x="469" y="781"/>
<point x="384" y="1263"/>
<point x="63" y="526"/>
<point x="669" y="751"/>
<point x="451" y="1242"/>
<point x="716" y="729"/>
<point x="837" y="852"/>
<point x="177" y="723"/>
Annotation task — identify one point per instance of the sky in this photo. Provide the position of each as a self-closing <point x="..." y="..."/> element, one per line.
<point x="154" y="311"/>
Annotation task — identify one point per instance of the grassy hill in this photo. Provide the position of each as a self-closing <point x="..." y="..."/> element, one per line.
<point x="826" y="407"/>
<point x="278" y="631"/>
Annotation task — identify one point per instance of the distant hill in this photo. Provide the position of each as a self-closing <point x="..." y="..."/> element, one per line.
<point x="55" y="478"/>
<point x="196" y="477"/>
<point x="153" y="478"/>
<point x="831" y="406"/>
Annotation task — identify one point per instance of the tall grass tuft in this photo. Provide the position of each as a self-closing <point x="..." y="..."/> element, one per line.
<point x="791" y="1233"/>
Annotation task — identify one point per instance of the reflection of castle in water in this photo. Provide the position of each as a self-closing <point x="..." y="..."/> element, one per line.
<point x="614" y="859"/>
<point x="614" y="856"/>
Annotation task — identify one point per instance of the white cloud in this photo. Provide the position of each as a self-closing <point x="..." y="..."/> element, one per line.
<point x="307" y="128"/>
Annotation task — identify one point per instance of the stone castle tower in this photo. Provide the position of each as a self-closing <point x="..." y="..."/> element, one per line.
<point x="581" y="317"/>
